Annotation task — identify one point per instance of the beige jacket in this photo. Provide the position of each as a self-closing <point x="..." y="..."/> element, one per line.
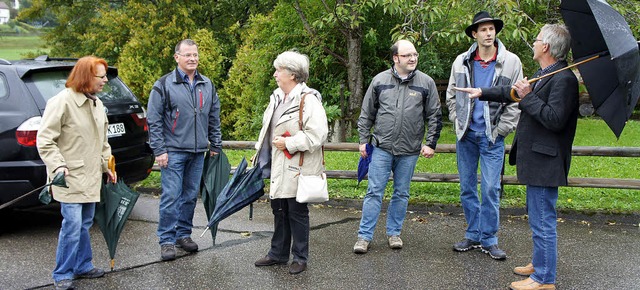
<point x="73" y="133"/>
<point x="284" y="171"/>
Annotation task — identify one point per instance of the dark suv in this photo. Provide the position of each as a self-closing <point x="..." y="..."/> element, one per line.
<point x="25" y="87"/>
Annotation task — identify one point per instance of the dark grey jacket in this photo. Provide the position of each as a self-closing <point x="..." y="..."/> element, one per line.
<point x="397" y="111"/>
<point x="541" y="149"/>
<point x="185" y="121"/>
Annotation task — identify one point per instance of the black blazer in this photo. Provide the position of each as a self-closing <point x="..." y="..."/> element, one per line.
<point x="541" y="148"/>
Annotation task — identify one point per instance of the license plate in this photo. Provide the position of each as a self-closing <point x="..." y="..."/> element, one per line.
<point x="115" y="130"/>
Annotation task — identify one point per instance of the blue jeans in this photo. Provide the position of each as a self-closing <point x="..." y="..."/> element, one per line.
<point x="541" y="207"/>
<point x="380" y="168"/>
<point x="483" y="217"/>
<point x="180" y="181"/>
<point x="73" y="255"/>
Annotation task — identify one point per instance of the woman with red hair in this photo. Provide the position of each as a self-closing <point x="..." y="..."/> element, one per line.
<point x="73" y="139"/>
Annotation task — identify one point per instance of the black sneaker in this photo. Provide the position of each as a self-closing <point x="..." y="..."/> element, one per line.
<point x="466" y="245"/>
<point x="187" y="244"/>
<point x="168" y="252"/>
<point x="494" y="252"/>
<point x="93" y="273"/>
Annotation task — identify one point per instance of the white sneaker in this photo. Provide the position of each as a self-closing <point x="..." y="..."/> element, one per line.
<point x="361" y="246"/>
<point x="395" y="242"/>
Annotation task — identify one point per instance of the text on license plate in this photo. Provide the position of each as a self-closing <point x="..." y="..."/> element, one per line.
<point x="115" y="130"/>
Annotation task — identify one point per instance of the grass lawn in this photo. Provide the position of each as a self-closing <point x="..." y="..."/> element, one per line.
<point x="14" y="47"/>
<point x="590" y="132"/>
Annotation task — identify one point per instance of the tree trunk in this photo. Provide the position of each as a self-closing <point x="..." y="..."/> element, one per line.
<point x="351" y="111"/>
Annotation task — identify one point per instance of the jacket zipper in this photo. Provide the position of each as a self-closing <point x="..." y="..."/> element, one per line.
<point x="175" y="121"/>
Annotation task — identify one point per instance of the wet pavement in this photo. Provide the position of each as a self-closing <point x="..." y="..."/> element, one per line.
<point x="595" y="252"/>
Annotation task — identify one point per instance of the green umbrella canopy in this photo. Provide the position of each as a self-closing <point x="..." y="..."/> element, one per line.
<point x="116" y="202"/>
<point x="215" y="176"/>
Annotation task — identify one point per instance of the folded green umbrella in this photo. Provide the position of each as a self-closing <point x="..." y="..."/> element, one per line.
<point x="116" y="203"/>
<point x="214" y="177"/>
<point x="58" y="180"/>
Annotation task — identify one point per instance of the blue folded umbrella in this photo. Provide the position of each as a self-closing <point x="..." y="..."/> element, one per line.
<point x="363" y="164"/>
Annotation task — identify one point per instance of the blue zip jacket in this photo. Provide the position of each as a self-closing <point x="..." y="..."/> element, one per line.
<point x="181" y="119"/>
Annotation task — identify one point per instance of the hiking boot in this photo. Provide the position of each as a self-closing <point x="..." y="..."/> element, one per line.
<point x="93" y="273"/>
<point x="63" y="284"/>
<point x="187" y="244"/>
<point x="168" y="252"/>
<point x="524" y="271"/>
<point x="297" y="268"/>
<point x="530" y="284"/>
<point x="494" y="252"/>
<point x="395" y="242"/>
<point x="268" y="261"/>
<point x="466" y="245"/>
<point x="361" y="246"/>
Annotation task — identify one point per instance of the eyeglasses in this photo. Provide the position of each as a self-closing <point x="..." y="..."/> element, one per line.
<point x="188" y="55"/>
<point x="102" y="77"/>
<point x="410" y="55"/>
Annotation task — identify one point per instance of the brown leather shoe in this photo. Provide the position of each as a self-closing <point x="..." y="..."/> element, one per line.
<point x="529" y="284"/>
<point x="524" y="271"/>
<point x="268" y="261"/>
<point x="297" y="268"/>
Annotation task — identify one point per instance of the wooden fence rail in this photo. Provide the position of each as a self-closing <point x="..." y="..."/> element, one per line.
<point x="507" y="179"/>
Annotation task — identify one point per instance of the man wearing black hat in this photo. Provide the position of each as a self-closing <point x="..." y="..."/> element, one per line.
<point x="480" y="130"/>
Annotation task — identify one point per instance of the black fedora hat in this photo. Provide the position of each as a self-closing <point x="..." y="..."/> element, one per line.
<point x="482" y="17"/>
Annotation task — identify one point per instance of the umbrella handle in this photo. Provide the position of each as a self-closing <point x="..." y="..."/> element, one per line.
<point x="515" y="97"/>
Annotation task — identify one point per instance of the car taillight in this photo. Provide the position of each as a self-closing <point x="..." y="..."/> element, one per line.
<point x="141" y="119"/>
<point x="27" y="132"/>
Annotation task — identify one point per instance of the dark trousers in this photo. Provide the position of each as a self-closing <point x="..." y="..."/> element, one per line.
<point x="291" y="219"/>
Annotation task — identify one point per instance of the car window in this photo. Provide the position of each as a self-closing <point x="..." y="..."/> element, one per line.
<point x="4" y="89"/>
<point x="50" y="83"/>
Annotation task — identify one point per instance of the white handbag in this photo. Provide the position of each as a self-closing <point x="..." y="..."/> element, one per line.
<point x="312" y="188"/>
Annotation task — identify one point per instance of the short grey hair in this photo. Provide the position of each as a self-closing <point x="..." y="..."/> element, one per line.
<point x="187" y="41"/>
<point x="558" y="38"/>
<point x="296" y="63"/>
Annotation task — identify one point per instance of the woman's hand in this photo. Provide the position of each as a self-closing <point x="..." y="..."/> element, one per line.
<point x="279" y="143"/>
<point x="112" y="176"/>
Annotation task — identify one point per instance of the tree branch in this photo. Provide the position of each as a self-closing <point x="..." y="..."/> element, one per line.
<point x="309" y="29"/>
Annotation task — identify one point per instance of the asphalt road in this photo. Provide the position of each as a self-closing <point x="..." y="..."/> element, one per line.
<point x="595" y="252"/>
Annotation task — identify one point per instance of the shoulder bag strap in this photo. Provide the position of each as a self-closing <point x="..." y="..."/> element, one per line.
<point x="300" y="124"/>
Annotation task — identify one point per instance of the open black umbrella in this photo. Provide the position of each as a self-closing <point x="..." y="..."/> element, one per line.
<point x="613" y="79"/>
<point x="243" y="188"/>
<point x="214" y="177"/>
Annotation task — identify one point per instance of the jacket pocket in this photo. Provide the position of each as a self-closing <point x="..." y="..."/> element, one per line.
<point x="77" y="178"/>
<point x="544" y="149"/>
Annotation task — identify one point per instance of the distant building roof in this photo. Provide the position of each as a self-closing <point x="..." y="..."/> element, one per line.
<point x="3" y="5"/>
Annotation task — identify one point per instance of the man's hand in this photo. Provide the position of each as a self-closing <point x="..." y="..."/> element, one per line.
<point x="473" y="92"/>
<point x="163" y="160"/>
<point x="427" y="152"/>
<point x="522" y="87"/>
<point x="363" y="150"/>
<point x="212" y="153"/>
